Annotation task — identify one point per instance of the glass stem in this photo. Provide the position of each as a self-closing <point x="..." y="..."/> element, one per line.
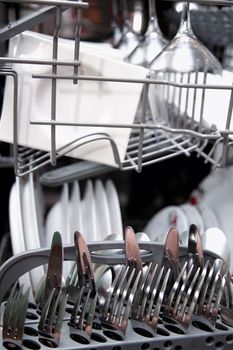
<point x="126" y="21"/>
<point x="185" y="23"/>
<point x="153" y="20"/>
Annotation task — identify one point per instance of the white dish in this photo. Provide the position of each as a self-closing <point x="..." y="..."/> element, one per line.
<point x="89" y="213"/>
<point x="221" y="203"/>
<point x="57" y="220"/>
<point x="75" y="211"/>
<point x="38" y="199"/>
<point x="102" y="212"/>
<point x="215" y="241"/>
<point x="88" y="102"/>
<point x="30" y="227"/>
<point x="16" y="229"/>
<point x="114" y="208"/>
<point x="209" y="218"/>
<point x="215" y="179"/>
<point x="158" y="227"/>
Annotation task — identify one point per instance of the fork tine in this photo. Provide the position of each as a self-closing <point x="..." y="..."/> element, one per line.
<point x="214" y="313"/>
<point x="14" y="316"/>
<point x="84" y="310"/>
<point x="153" y="320"/>
<point x="122" y="322"/>
<point x="195" y="295"/>
<point x="146" y="291"/>
<point x="181" y="314"/>
<point x="161" y="294"/>
<point x="76" y="307"/>
<point x="63" y="300"/>
<point x="201" y="302"/>
<point x="23" y="310"/>
<point x="114" y="285"/>
<point x="153" y="293"/>
<point x="91" y="314"/>
<point x="51" y="317"/>
<point x="45" y="313"/>
<point x="120" y="289"/>
<point x="139" y="292"/>
<point x="175" y="288"/>
<point x="8" y="309"/>
<point x="116" y="312"/>
<point x="182" y="290"/>
<point x="212" y="290"/>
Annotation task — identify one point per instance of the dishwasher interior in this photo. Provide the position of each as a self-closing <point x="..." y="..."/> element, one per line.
<point x="116" y="169"/>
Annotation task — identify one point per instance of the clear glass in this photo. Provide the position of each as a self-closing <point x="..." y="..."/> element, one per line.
<point x="153" y="42"/>
<point x="184" y="60"/>
<point x="129" y="39"/>
<point x="185" y="53"/>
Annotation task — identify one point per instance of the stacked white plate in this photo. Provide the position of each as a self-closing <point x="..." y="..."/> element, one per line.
<point x="96" y="215"/>
<point x="213" y="209"/>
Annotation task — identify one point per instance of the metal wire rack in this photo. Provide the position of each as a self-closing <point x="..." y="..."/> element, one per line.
<point x="150" y="142"/>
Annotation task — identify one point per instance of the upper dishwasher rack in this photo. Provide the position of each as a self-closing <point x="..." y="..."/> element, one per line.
<point x="149" y="142"/>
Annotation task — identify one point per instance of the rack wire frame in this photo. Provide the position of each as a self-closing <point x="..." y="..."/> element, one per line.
<point x="150" y="142"/>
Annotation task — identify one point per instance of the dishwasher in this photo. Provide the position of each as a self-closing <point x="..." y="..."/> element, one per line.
<point x="117" y="148"/>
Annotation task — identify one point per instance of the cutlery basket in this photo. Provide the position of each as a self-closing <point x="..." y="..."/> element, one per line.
<point x="169" y="336"/>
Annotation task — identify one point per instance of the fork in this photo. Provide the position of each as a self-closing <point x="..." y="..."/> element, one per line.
<point x="212" y="292"/>
<point x="121" y="294"/>
<point x="120" y="298"/>
<point x="52" y="296"/>
<point x="149" y="297"/>
<point x="83" y="290"/>
<point x="184" y="295"/>
<point x="51" y="318"/>
<point x="14" y="318"/>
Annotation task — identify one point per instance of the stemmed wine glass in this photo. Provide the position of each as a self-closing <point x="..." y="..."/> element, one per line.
<point x="153" y="43"/>
<point x="117" y="33"/>
<point x="184" y="60"/>
<point x="185" y="52"/>
<point x="129" y="39"/>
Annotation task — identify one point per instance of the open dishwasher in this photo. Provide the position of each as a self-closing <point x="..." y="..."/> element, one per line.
<point x="79" y="279"/>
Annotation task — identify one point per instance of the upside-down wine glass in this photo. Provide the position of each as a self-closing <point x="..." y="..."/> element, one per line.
<point x="184" y="60"/>
<point x="153" y="42"/>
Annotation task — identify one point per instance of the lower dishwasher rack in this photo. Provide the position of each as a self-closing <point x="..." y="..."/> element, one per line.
<point x="168" y="335"/>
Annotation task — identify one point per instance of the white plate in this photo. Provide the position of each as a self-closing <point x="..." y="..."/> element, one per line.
<point x="57" y="220"/>
<point x="215" y="179"/>
<point x="89" y="213"/>
<point x="215" y="241"/>
<point x="88" y="102"/>
<point x="38" y="198"/>
<point x="102" y="211"/>
<point x="209" y="218"/>
<point x="114" y="208"/>
<point x="30" y="227"/>
<point x="220" y="200"/>
<point x="158" y="227"/>
<point x="75" y="211"/>
<point x="16" y="228"/>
